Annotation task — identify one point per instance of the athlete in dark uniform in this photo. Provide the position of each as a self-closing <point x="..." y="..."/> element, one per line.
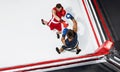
<point x="69" y="37"/>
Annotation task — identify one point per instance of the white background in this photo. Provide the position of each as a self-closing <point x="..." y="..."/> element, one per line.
<point x="24" y="40"/>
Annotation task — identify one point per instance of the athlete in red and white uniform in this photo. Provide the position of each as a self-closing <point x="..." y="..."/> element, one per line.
<point x="55" y="22"/>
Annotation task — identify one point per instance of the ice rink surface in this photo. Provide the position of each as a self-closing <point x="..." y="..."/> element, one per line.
<point x="24" y="40"/>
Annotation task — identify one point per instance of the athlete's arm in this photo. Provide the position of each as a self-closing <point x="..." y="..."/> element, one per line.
<point x="63" y="12"/>
<point x="63" y="40"/>
<point x="69" y="16"/>
<point x="54" y="14"/>
<point x="74" y="25"/>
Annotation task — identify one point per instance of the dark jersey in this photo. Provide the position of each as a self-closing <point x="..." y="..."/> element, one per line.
<point x="72" y="43"/>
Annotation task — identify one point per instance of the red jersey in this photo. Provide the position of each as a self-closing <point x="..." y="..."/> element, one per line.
<point x="60" y="14"/>
<point x="55" y="24"/>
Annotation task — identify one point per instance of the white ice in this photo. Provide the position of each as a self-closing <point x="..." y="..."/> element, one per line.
<point x="24" y="40"/>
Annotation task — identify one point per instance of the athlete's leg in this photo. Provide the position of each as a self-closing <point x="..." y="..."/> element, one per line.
<point x="44" y="22"/>
<point x="58" y="34"/>
<point x="58" y="27"/>
<point x="78" y="49"/>
<point x="61" y="49"/>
